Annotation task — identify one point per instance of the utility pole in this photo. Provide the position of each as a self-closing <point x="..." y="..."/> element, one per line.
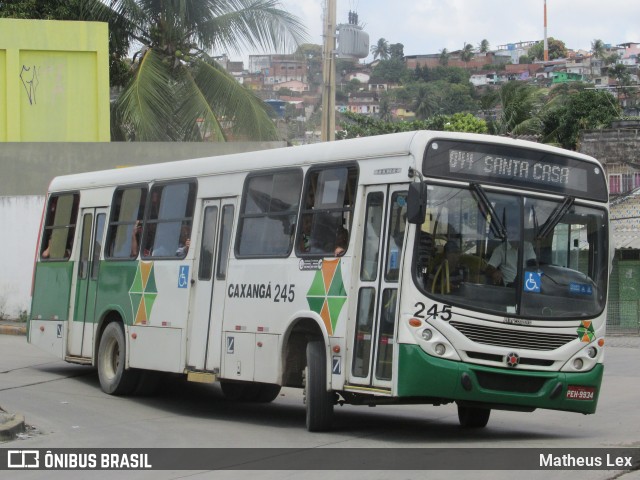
<point x="329" y="73"/>
<point x="546" y="44"/>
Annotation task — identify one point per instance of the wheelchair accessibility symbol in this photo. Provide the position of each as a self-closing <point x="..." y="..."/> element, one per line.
<point x="183" y="276"/>
<point x="532" y="282"/>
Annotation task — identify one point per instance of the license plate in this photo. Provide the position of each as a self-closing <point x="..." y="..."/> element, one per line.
<point x="575" y="392"/>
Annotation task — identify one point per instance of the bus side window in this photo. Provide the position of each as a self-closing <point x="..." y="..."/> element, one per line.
<point x="125" y="232"/>
<point x="60" y="226"/>
<point x="168" y="220"/>
<point x="327" y="211"/>
<point x="268" y="214"/>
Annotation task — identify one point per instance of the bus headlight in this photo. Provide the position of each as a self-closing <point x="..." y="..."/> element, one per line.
<point x="440" y="349"/>
<point x="584" y="360"/>
<point x="592" y="352"/>
<point x="578" y="363"/>
<point x="427" y="334"/>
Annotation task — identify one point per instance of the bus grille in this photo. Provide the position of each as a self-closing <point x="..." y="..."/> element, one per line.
<point x="509" y="383"/>
<point x="512" y="338"/>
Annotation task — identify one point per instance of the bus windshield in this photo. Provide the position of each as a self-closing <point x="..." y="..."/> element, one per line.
<point x="512" y="254"/>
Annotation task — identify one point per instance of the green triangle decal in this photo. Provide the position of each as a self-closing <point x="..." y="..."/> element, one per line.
<point x="315" y="303"/>
<point x="151" y="283"/>
<point x="149" y="299"/>
<point x="317" y="287"/>
<point x="136" y="286"/>
<point x="335" y="306"/>
<point x="337" y="285"/>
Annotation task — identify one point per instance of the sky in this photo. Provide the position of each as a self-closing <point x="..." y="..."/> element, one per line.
<point x="428" y="26"/>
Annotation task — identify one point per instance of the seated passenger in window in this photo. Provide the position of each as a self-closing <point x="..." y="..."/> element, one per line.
<point x="185" y="241"/>
<point x="342" y="240"/>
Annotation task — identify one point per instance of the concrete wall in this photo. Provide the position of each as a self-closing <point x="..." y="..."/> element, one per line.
<point x="19" y="221"/>
<point x="27" y="168"/>
<point x="25" y="172"/>
<point x="611" y="145"/>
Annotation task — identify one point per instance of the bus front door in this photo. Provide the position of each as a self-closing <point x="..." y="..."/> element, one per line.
<point x="82" y="325"/>
<point x="373" y="337"/>
<point x="207" y="301"/>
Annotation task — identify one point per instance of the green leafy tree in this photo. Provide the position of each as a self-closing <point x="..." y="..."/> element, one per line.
<point x="380" y="50"/>
<point x="484" y="46"/>
<point x="585" y="109"/>
<point x="465" y="122"/>
<point x="392" y="70"/>
<point x="178" y="92"/>
<point x="557" y="49"/>
<point x="396" y="50"/>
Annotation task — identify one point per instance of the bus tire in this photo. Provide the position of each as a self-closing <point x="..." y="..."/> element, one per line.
<point x="267" y="392"/>
<point x="318" y="400"/>
<point x="473" y="417"/>
<point x="114" y="378"/>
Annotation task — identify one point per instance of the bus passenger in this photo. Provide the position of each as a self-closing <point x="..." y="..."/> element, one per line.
<point x="342" y="240"/>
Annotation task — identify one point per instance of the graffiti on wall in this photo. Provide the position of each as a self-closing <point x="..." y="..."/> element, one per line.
<point x="29" y="77"/>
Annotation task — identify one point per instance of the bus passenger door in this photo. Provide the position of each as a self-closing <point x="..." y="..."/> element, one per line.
<point x="371" y="360"/>
<point x="207" y="301"/>
<point x="82" y="325"/>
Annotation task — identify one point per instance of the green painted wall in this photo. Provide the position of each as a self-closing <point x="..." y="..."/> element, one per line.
<point x="54" y="81"/>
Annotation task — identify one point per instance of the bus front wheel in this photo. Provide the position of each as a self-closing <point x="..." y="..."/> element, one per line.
<point x="318" y="400"/>
<point x="473" y="417"/>
<point x="114" y="378"/>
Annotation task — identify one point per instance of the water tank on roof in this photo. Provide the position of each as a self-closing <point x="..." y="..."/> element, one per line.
<point x="353" y="42"/>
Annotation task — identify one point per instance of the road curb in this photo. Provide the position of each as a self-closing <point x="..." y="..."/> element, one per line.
<point x="12" y="427"/>
<point x="13" y="330"/>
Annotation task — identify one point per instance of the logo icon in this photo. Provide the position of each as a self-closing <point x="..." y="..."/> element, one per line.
<point x="143" y="292"/>
<point x="183" y="276"/>
<point x="23" y="459"/>
<point x="327" y="294"/>
<point x="586" y="333"/>
<point x="513" y="359"/>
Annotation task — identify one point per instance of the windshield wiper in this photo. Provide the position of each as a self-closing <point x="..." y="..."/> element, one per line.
<point x="497" y="227"/>
<point x="554" y="218"/>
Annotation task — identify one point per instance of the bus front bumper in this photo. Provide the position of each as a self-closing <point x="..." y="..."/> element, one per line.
<point x="422" y="375"/>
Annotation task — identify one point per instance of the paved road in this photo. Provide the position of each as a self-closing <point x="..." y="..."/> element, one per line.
<point x="66" y="407"/>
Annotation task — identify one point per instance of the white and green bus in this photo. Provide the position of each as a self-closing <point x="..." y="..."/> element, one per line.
<point x="419" y="267"/>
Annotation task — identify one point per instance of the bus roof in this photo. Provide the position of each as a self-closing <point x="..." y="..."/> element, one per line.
<point x="396" y="144"/>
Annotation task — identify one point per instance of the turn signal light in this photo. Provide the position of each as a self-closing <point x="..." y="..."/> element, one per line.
<point x="415" y="322"/>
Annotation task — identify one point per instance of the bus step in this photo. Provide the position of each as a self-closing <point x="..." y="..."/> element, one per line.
<point x="78" y="360"/>
<point x="201" y="377"/>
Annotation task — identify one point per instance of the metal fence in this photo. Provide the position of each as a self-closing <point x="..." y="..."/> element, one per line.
<point x="623" y="317"/>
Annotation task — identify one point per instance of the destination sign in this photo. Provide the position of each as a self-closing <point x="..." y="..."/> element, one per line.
<point x="513" y="166"/>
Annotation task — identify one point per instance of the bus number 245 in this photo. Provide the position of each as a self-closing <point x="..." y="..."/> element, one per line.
<point x="434" y="311"/>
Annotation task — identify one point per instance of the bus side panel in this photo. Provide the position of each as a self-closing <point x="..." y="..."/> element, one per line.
<point x="116" y="279"/>
<point x="52" y="291"/>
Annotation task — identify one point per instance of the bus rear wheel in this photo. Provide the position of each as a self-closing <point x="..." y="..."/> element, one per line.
<point x="319" y="401"/>
<point x="473" y="417"/>
<point x="114" y="378"/>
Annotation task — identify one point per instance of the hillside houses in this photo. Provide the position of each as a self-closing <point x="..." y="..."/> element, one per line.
<point x="276" y="76"/>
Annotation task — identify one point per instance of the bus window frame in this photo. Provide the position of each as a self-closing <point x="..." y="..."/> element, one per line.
<point x="241" y="215"/>
<point x="48" y="229"/>
<point x="187" y="219"/>
<point x="113" y="223"/>
<point x="310" y="211"/>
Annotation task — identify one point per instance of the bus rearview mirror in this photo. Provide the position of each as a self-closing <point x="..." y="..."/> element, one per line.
<point x="416" y="203"/>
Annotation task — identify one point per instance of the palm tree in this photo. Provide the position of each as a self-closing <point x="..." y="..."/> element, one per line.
<point x="424" y="104"/>
<point x="598" y="50"/>
<point x="467" y="53"/>
<point x="521" y="104"/>
<point x="444" y="57"/>
<point x="178" y="92"/>
<point x="484" y="46"/>
<point x="381" y="50"/>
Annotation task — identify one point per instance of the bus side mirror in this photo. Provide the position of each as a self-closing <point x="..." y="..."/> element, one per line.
<point x="416" y="203"/>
